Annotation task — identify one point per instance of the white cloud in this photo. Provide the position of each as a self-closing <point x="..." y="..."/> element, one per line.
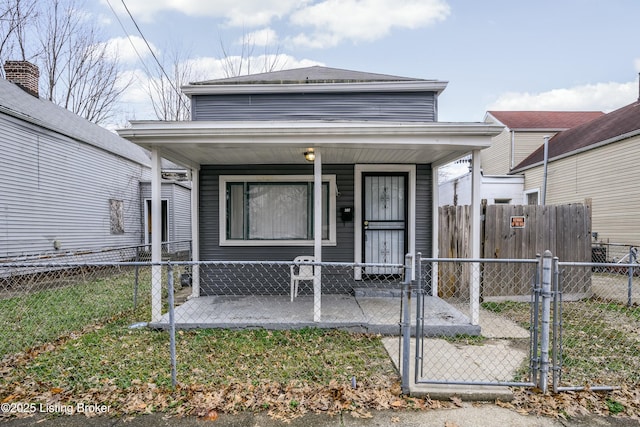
<point x="363" y="20"/>
<point x="598" y="97"/>
<point x="128" y="49"/>
<point x="263" y="37"/>
<point x="249" y="13"/>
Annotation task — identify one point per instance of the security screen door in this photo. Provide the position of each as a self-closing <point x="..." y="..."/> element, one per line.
<point x="384" y="225"/>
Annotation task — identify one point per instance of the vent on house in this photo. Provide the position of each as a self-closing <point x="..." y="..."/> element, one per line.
<point x="24" y="74"/>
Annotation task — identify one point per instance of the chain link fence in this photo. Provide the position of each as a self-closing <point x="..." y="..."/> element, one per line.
<point x="599" y="335"/>
<point x="591" y="312"/>
<point x="604" y="252"/>
<point x="46" y="297"/>
<point x="481" y="320"/>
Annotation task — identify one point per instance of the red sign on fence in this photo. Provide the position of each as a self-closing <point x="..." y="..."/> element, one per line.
<point x="517" y="222"/>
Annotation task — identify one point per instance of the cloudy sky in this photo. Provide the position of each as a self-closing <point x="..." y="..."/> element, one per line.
<point x="495" y="54"/>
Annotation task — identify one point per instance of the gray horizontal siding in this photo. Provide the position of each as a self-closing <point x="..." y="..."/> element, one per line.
<point x="390" y="106"/>
<point x="56" y="188"/>
<point x="181" y="213"/>
<point x="424" y="212"/>
<point x="250" y="279"/>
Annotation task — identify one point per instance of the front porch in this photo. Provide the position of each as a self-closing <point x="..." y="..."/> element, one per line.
<point x="365" y="310"/>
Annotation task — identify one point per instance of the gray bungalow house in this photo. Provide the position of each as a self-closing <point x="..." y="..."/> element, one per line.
<point x="68" y="184"/>
<point x="270" y="152"/>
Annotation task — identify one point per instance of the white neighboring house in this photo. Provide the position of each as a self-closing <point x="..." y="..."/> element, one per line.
<point x="524" y="132"/>
<point x="68" y="184"/>
<point x="499" y="189"/>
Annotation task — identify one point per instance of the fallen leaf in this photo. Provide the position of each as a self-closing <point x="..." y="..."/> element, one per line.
<point x="457" y="401"/>
<point x="211" y="415"/>
<point x="450" y="424"/>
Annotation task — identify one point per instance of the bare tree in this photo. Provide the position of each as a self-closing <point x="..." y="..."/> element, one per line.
<point x="168" y="102"/>
<point x="175" y="70"/>
<point x="77" y="68"/>
<point x="80" y="73"/>
<point x="15" y="18"/>
<point x="246" y="61"/>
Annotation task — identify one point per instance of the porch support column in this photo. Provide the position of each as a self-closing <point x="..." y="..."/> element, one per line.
<point x="317" y="236"/>
<point x="156" y="236"/>
<point x="435" y="246"/>
<point x="475" y="238"/>
<point x="195" y="232"/>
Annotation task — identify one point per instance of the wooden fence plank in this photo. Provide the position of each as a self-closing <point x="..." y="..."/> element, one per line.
<point x="565" y="230"/>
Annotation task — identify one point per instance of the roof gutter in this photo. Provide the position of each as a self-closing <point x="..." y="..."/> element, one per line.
<point x="386" y="86"/>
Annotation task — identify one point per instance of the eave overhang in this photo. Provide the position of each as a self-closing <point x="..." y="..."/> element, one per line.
<point x="206" y="142"/>
<point x="330" y="87"/>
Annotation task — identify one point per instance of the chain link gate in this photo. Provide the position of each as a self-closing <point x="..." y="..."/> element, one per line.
<point x="479" y="322"/>
<point x="564" y="326"/>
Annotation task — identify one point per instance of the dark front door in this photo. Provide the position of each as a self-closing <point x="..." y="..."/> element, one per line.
<point x="384" y="225"/>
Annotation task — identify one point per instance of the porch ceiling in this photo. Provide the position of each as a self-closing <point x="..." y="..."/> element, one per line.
<point x="196" y="143"/>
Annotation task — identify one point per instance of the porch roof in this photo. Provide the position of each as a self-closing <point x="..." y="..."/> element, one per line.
<point x="193" y="143"/>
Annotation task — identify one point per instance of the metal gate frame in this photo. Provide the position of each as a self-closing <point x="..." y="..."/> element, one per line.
<point x="545" y="356"/>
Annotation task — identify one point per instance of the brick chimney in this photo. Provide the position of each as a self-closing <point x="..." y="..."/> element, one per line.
<point x="24" y="74"/>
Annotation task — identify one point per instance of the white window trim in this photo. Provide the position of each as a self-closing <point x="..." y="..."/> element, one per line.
<point x="526" y="195"/>
<point x="224" y="179"/>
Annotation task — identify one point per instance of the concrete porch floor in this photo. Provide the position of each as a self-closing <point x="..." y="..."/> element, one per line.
<point x="359" y="312"/>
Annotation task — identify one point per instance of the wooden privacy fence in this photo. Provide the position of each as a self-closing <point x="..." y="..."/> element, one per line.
<point x="514" y="232"/>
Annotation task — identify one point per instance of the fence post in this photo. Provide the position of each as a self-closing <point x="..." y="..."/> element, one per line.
<point x="557" y="324"/>
<point x="420" y="292"/>
<point x="546" y="320"/>
<point x="406" y="325"/>
<point x="632" y="259"/>
<point x="534" y="322"/>
<point x="137" y="277"/>
<point x="172" y="324"/>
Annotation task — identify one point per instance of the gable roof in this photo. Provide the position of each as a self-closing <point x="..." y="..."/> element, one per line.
<point x="313" y="79"/>
<point x="15" y="102"/>
<point x="615" y="126"/>
<point x="544" y="120"/>
<point x="314" y="74"/>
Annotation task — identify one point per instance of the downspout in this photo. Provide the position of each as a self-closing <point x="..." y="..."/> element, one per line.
<point x="543" y="196"/>
<point x="513" y="150"/>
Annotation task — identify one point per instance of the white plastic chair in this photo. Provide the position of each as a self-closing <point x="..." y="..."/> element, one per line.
<point x="300" y="273"/>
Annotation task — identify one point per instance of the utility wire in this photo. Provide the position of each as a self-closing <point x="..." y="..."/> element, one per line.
<point x="173" y="86"/>
<point x="133" y="45"/>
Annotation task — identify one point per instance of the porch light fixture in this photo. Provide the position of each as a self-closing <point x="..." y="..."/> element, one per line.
<point x="310" y="155"/>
